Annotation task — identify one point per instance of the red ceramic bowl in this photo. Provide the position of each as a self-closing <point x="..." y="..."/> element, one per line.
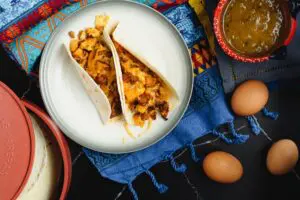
<point x="62" y="143"/>
<point x="289" y="10"/>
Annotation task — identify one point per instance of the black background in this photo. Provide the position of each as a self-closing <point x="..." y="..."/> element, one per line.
<point x="256" y="183"/>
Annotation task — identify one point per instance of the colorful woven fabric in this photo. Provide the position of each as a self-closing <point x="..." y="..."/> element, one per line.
<point x="17" y="16"/>
<point x="27" y="48"/>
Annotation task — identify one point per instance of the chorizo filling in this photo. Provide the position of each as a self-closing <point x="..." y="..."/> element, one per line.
<point x="90" y="51"/>
<point x="145" y="93"/>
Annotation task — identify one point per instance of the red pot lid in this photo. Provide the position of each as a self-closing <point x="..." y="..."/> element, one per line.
<point x="16" y="144"/>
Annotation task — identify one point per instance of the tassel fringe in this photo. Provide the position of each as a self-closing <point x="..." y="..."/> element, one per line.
<point x="162" y="188"/>
<point x="133" y="192"/>
<point x="272" y="115"/>
<point x="181" y="168"/>
<point x="222" y="137"/>
<point x="193" y="153"/>
<point x="255" y="127"/>
<point x="237" y="138"/>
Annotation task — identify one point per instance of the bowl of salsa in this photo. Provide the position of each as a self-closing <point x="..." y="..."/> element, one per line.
<point x="255" y="30"/>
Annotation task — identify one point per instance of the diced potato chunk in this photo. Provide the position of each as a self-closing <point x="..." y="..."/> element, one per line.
<point x="72" y="34"/>
<point x="132" y="92"/>
<point x="74" y="45"/>
<point x="80" y="55"/>
<point x="82" y="35"/>
<point x="141" y="109"/>
<point x="92" y="32"/>
<point x="150" y="81"/>
<point x="88" y="44"/>
<point x="138" y="120"/>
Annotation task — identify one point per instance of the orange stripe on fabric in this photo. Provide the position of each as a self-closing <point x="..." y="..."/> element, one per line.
<point x="20" y="53"/>
<point x="34" y="40"/>
<point x="20" y="44"/>
<point x="33" y="44"/>
<point x="49" y="24"/>
<point x="24" y="54"/>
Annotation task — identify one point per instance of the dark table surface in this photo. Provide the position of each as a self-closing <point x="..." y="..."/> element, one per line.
<point x="256" y="182"/>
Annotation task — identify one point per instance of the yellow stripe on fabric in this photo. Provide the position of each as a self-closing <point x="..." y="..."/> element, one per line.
<point x="199" y="7"/>
<point x="200" y="70"/>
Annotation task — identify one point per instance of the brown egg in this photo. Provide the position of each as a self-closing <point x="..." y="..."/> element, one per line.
<point x="282" y="157"/>
<point x="249" y="98"/>
<point x="222" y="167"/>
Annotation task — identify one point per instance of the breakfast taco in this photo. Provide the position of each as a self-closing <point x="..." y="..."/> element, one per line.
<point x="145" y="93"/>
<point x="95" y="61"/>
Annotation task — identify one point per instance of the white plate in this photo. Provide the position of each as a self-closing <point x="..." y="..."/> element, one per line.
<point x="65" y="97"/>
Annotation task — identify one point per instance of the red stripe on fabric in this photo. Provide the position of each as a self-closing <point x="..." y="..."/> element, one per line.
<point x="163" y="5"/>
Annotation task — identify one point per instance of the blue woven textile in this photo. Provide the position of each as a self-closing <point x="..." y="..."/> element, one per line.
<point x="186" y="22"/>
